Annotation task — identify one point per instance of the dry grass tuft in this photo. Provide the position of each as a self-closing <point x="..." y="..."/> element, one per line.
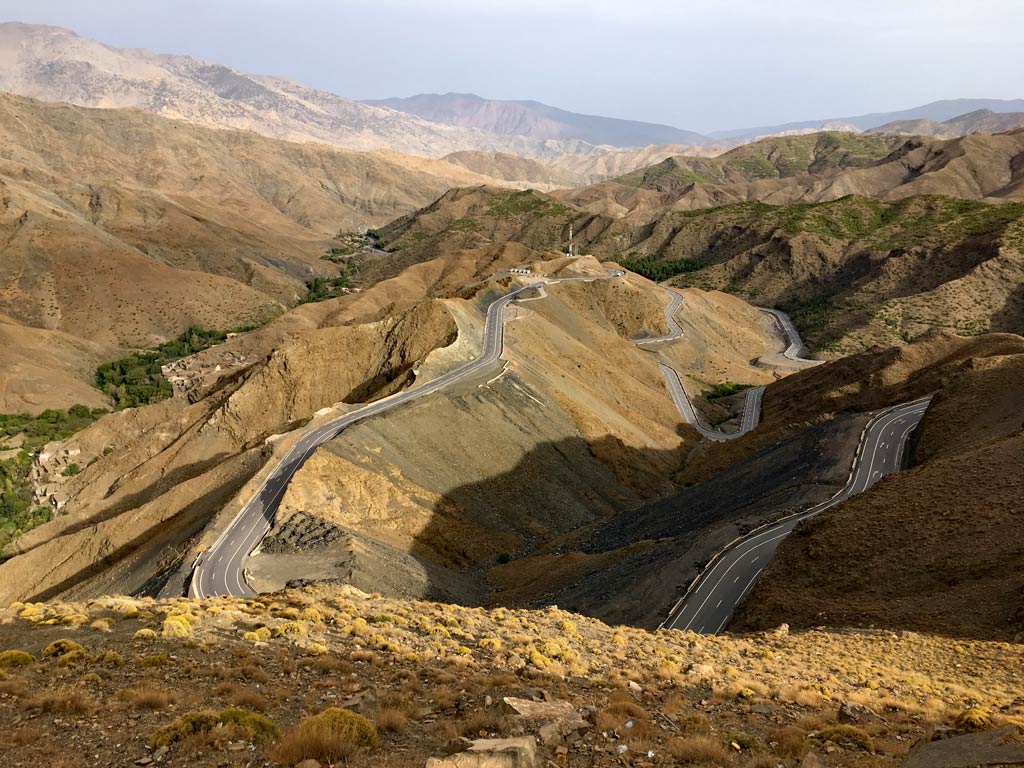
<point x="699" y="750"/>
<point x="331" y="736"/>
<point x="148" y="697"/>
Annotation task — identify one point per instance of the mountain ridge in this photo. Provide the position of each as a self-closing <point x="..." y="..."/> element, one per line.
<point x="55" y="64"/>
<point x="527" y="117"/>
<point x="939" y="111"/>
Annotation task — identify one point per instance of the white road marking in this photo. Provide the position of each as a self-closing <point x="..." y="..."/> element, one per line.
<point x="883" y="424"/>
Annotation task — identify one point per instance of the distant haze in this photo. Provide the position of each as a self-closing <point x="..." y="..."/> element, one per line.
<point x="702" y="65"/>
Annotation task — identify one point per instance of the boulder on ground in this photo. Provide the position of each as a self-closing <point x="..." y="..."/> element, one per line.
<point x="519" y="752"/>
<point x="851" y="713"/>
<point x="1000" y="746"/>
<point x="559" y="719"/>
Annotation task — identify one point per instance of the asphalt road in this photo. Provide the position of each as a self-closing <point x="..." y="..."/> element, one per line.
<point x="221" y="569"/>
<point x="754" y="395"/>
<point x="713" y="598"/>
<point x="796" y="344"/>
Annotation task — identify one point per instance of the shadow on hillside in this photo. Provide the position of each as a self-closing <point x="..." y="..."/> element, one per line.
<point x="568" y="526"/>
<point x="1010" y="317"/>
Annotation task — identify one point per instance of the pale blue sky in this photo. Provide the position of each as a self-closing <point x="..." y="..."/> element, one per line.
<point x="697" y="64"/>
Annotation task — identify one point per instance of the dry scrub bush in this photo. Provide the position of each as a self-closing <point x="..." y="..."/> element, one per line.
<point x="392" y="719"/>
<point x="245" y="698"/>
<point x="147" y="697"/>
<point x="974" y="719"/>
<point x="61" y="647"/>
<point x="258" y="635"/>
<point x="73" y="702"/>
<point x="330" y="737"/>
<point x="486" y="722"/>
<point x="216" y="726"/>
<point x="176" y="627"/>
<point x="15" y="658"/>
<point x="699" y="750"/>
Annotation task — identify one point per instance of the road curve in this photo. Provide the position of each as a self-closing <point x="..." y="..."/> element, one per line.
<point x="221" y="569"/>
<point x="796" y="344"/>
<point x="754" y="395"/>
<point x="715" y="594"/>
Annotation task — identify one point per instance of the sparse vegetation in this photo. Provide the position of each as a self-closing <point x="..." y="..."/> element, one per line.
<point x="726" y="389"/>
<point x="137" y="379"/>
<point x="214" y="726"/>
<point x="688" y="700"/>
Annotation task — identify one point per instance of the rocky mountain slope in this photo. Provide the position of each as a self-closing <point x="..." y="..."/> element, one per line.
<point x="335" y="676"/>
<point x="961" y="125"/>
<point x="154" y="477"/>
<point x="536" y="120"/>
<point x="920" y="549"/>
<point x="853" y="272"/>
<point x="54" y="64"/>
<point x="122" y="229"/>
<point x="547" y="174"/>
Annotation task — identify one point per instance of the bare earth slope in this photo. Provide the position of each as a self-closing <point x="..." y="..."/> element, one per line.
<point x="124" y="228"/>
<point x="933" y="548"/>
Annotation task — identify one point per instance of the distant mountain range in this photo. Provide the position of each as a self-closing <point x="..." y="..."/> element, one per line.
<point x="55" y="64"/>
<point x="536" y="120"/>
<point x="935" y="111"/>
<point x="962" y="125"/>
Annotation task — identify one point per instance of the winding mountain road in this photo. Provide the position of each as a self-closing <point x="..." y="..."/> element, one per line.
<point x="221" y="569"/>
<point x="754" y="395"/>
<point x="714" y="596"/>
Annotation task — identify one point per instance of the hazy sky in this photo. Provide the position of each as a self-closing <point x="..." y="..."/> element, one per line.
<point x="698" y="64"/>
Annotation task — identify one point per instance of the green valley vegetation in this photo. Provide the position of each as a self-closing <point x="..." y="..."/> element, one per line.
<point x="726" y="389"/>
<point x="138" y="380"/>
<point x="348" y="244"/>
<point x="323" y="288"/>
<point x="658" y="269"/>
<point x="30" y="433"/>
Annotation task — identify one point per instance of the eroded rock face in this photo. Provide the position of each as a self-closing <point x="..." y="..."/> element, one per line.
<point x="518" y="752"/>
<point x="557" y="720"/>
<point x="1000" y="746"/>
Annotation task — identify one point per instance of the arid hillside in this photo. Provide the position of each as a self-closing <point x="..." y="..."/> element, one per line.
<point x="336" y="676"/>
<point x="817" y="168"/>
<point x="576" y="427"/>
<point x="931" y="548"/>
<point x="780" y="157"/>
<point x="122" y="229"/>
<point x="853" y="272"/>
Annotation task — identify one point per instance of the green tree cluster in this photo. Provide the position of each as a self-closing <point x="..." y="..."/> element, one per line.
<point x="657" y="269"/>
